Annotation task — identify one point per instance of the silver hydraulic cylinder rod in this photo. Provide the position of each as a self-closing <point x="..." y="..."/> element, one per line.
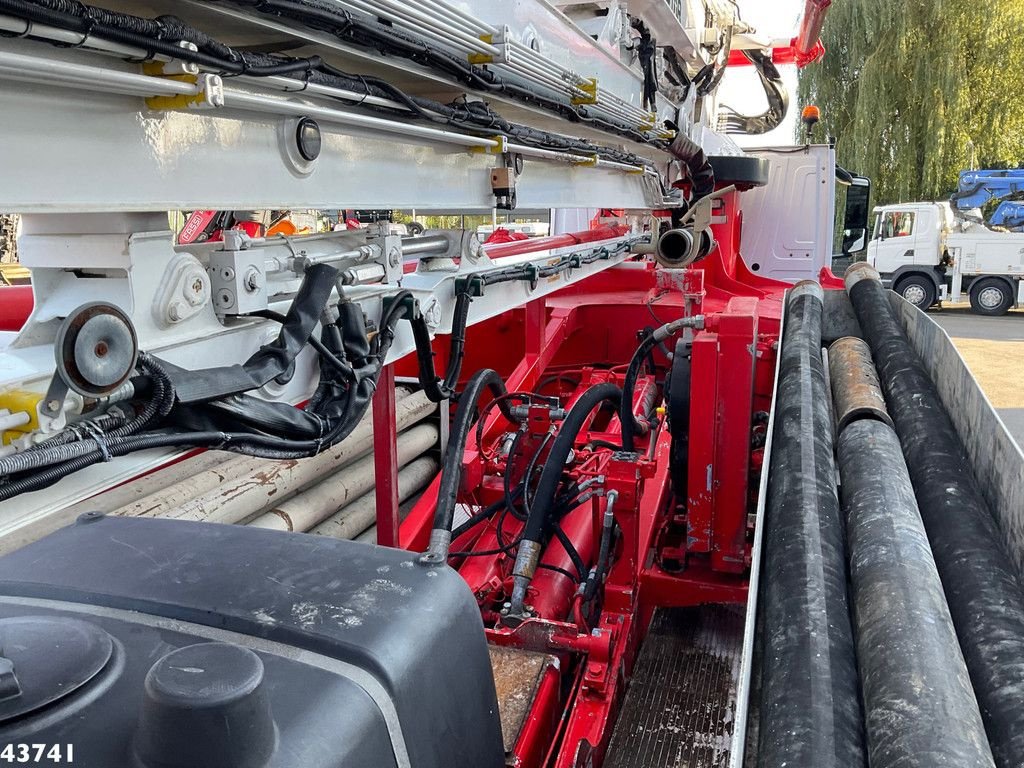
<point x="352" y="520"/>
<point x="920" y="707"/>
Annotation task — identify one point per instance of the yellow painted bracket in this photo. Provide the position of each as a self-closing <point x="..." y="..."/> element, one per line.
<point x="590" y="89"/>
<point x="16" y="401"/>
<point x="501" y="149"/>
<point x="204" y="96"/>
<point x="590" y="161"/>
<point x="483" y="58"/>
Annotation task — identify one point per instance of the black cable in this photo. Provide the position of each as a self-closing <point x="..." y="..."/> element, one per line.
<point x="485" y="514"/>
<point x="436" y="388"/>
<point x="342" y="368"/>
<point x="574" y="555"/>
<point x="556" y="569"/>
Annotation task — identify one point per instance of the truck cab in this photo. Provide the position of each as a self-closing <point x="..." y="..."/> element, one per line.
<point x="926" y="252"/>
<point x="908" y="248"/>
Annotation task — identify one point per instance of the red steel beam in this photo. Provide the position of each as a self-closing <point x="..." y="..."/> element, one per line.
<point x="385" y="459"/>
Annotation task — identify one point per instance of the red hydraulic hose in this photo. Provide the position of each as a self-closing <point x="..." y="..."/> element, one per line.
<point x="16" y="302"/>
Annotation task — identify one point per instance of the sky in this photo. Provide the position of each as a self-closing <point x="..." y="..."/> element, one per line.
<point x="741" y="89"/>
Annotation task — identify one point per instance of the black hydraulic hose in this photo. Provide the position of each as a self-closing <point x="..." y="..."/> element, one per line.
<point x="912" y="672"/>
<point x="451" y="472"/>
<point x="528" y="476"/>
<point x="979" y="579"/>
<point x="572" y="552"/>
<point x="435" y="388"/>
<point x="600" y="570"/>
<point x="539" y="519"/>
<point x="631" y="426"/>
<point x="810" y="712"/>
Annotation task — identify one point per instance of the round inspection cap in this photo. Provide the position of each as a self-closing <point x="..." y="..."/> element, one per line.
<point x="308" y="139"/>
<point x="49" y="657"/>
<point x="206" y="706"/>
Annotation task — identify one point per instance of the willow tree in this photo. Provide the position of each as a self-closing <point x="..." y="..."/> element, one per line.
<point x="915" y="91"/>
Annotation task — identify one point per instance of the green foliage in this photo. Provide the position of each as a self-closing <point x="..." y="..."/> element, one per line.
<point x="916" y="91"/>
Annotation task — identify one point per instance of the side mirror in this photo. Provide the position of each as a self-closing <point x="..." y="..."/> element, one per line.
<point x="854" y="240"/>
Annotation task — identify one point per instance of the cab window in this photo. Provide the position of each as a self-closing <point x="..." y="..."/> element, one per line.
<point x="897" y="224"/>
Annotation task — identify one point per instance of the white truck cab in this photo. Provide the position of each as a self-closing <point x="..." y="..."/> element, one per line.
<point x="926" y="253"/>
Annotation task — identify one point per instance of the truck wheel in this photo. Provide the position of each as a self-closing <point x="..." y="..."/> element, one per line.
<point x="991" y="296"/>
<point x="917" y="289"/>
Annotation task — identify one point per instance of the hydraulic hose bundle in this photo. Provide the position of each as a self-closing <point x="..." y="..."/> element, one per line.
<point x="810" y="705"/>
<point x="631" y="425"/>
<point x="209" y="408"/>
<point x="539" y="522"/>
<point x="981" y="586"/>
<point x="912" y="672"/>
<point x="451" y="473"/>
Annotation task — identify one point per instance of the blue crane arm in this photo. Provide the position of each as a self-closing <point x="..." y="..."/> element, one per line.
<point x="1009" y="214"/>
<point x="978" y="187"/>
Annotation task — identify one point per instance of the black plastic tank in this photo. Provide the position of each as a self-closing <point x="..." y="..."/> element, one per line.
<point x="168" y="644"/>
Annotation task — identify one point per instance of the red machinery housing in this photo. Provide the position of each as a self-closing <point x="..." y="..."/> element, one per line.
<point x="682" y="500"/>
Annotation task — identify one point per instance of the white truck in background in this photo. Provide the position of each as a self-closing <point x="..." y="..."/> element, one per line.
<point x="926" y="253"/>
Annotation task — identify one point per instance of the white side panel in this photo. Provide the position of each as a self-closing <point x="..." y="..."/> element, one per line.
<point x="788" y="224"/>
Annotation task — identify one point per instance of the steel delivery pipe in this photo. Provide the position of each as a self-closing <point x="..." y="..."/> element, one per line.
<point x="318" y="502"/>
<point x="810" y="714"/>
<point x="350" y="521"/>
<point x="856" y="393"/>
<point x="912" y="672"/>
<point x="979" y="580"/>
<point x="265" y="483"/>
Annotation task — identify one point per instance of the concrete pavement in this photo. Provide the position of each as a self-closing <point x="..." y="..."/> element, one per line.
<point x="994" y="349"/>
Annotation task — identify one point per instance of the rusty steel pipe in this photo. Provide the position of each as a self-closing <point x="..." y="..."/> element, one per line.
<point x="856" y="393"/>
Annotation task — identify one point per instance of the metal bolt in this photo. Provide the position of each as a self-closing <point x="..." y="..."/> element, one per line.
<point x="176" y="311"/>
<point x="395" y="257"/>
<point x="252" y="280"/>
<point x="53" y="405"/>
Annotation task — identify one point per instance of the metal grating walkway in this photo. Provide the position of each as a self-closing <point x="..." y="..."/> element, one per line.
<point x="681" y="702"/>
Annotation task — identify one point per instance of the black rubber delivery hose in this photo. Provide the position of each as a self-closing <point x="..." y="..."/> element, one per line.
<point x="810" y="714"/>
<point x="981" y="585"/>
